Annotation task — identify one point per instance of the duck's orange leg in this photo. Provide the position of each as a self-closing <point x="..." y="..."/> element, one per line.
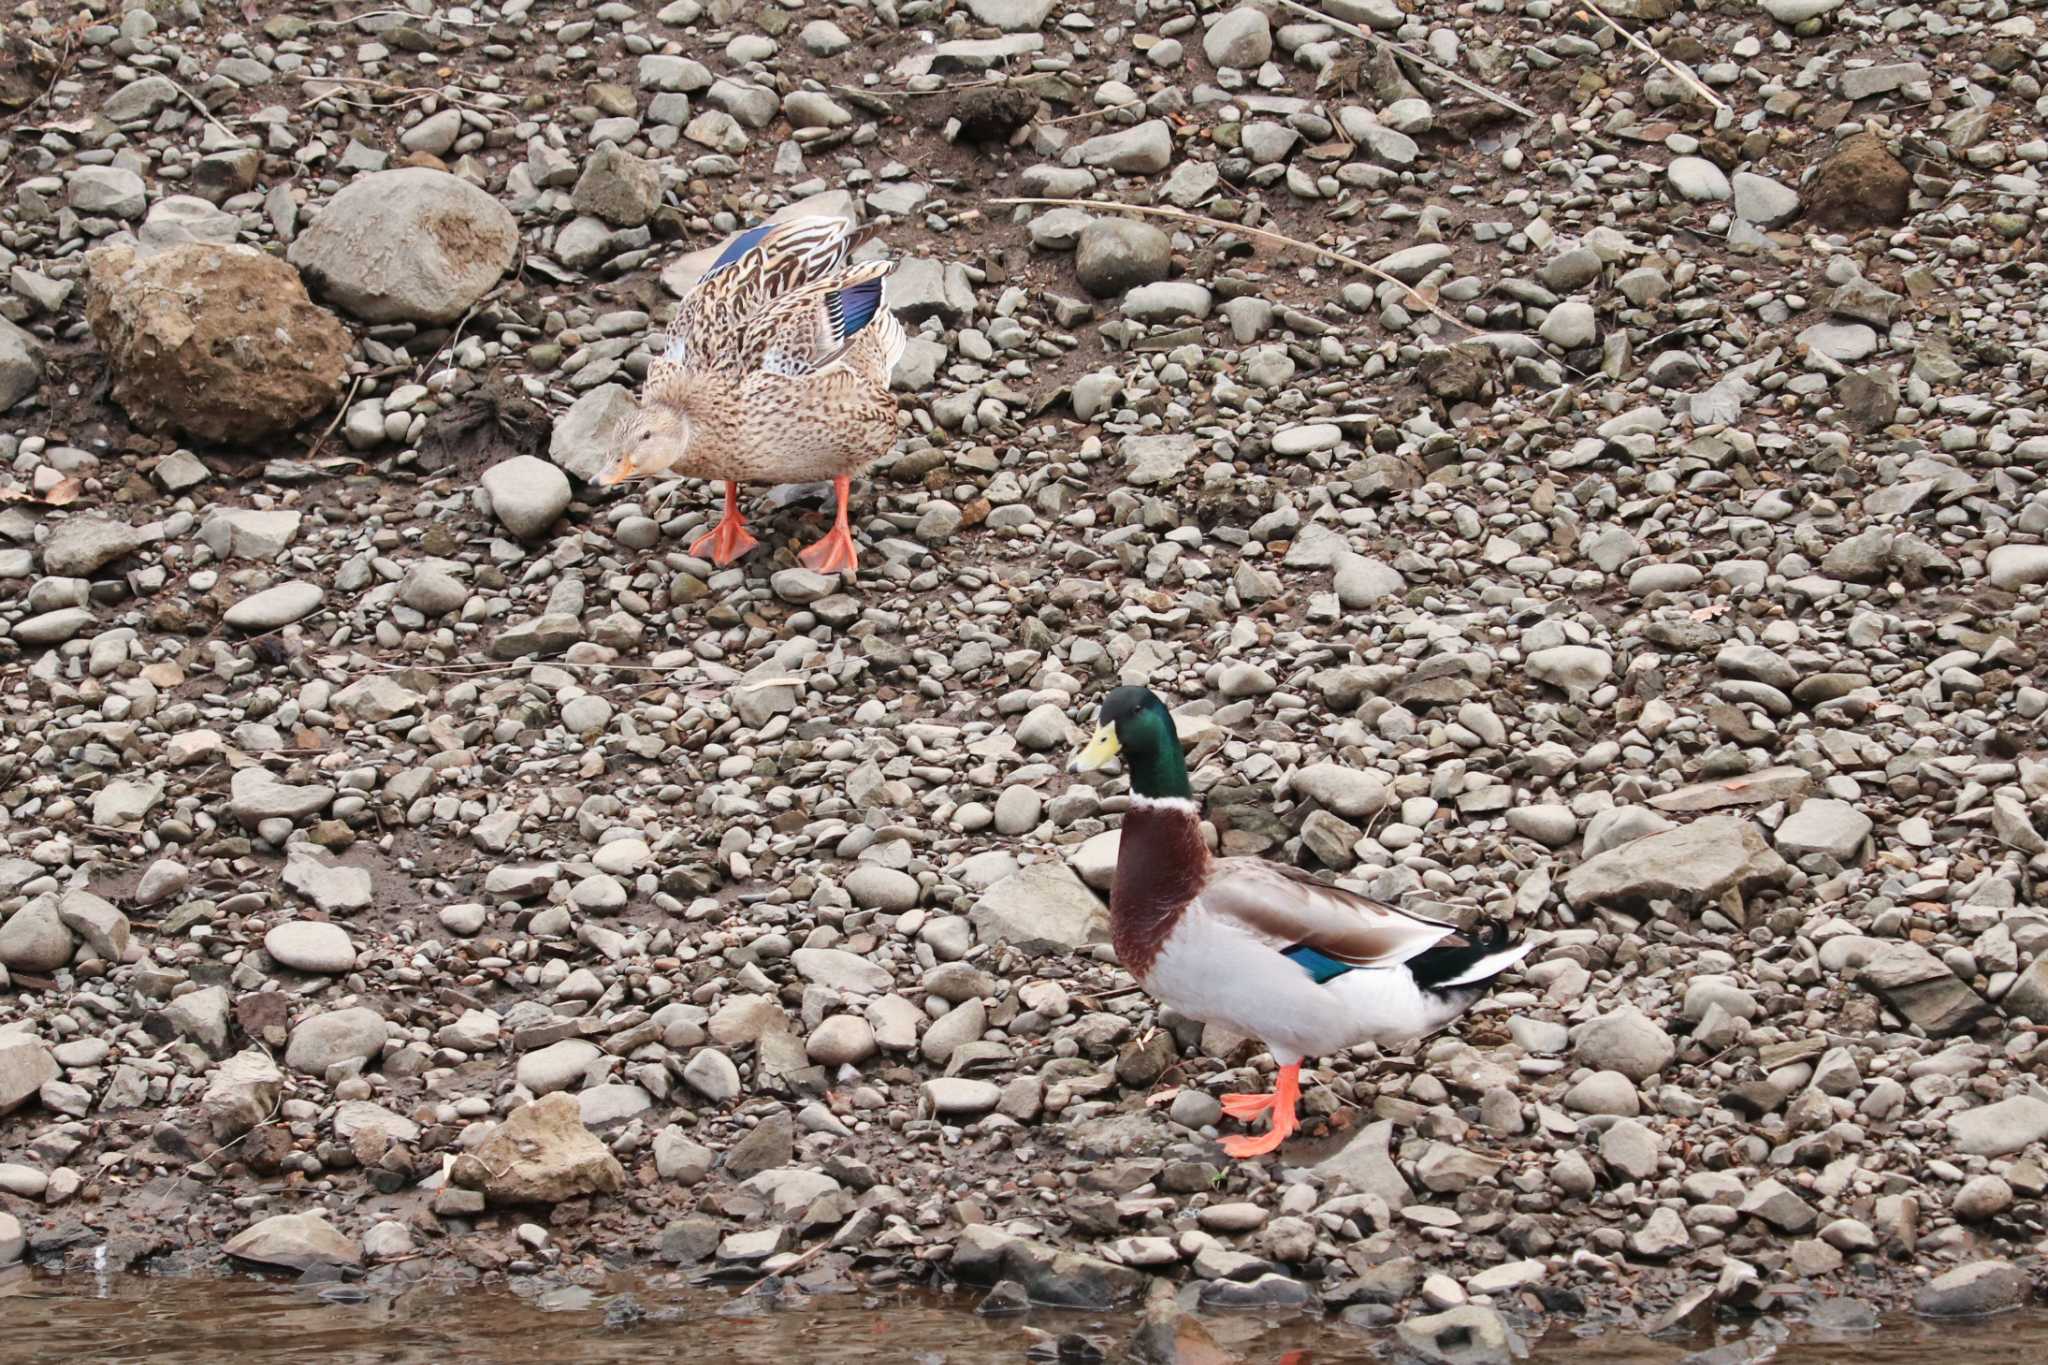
<point x="834" y="554"/>
<point x="1280" y="1104"/>
<point x="728" y="540"/>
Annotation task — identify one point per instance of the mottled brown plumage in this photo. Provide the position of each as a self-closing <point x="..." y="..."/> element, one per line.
<point x="775" y="370"/>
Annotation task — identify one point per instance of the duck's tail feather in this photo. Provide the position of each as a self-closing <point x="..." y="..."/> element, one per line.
<point x="1490" y="952"/>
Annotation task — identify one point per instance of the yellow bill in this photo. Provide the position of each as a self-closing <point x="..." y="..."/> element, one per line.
<point x="622" y="469"/>
<point x="1097" y="752"/>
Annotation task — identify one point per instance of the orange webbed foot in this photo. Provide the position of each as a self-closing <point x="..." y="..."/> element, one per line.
<point x="833" y="554"/>
<point x="724" y="543"/>
<point x="1246" y="1107"/>
<point x="728" y="540"/>
<point x="1280" y="1105"/>
<point x="1243" y="1148"/>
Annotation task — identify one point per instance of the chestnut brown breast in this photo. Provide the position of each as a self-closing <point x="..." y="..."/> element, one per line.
<point x="1161" y="866"/>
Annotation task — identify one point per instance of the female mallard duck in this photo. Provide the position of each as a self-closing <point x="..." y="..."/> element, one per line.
<point x="1263" y="949"/>
<point x="776" y="369"/>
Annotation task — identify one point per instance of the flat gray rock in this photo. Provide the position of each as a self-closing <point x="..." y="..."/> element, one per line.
<point x="407" y="245"/>
<point x="333" y="887"/>
<point x="1834" y="828"/>
<point x="322" y="1040"/>
<point x="294" y="1241"/>
<point x="1144" y="150"/>
<point x="586" y="436"/>
<point x="256" y="794"/>
<point x="310" y="946"/>
<point x="1153" y="460"/>
<point x="1764" y="201"/>
<point x="1698" y="179"/>
<point x="26" y="1066"/>
<point x="2001" y="1129"/>
<point x="1692" y="866"/>
<point x="1921" y="989"/>
<point x="529" y="495"/>
<point x="1974" y="1290"/>
<point x="21" y="364"/>
<point x="276" y="607"/>
<point x="81" y="546"/>
<point x="1042" y="908"/>
<point x="249" y="533"/>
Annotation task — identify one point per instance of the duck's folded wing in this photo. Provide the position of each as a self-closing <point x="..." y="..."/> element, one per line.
<point x="1289" y="909"/>
<point x="810" y="247"/>
<point x="813" y="328"/>
<point x="765" y="264"/>
<point x="757" y="268"/>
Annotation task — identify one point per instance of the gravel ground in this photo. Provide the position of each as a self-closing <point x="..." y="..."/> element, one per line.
<point x="412" y="860"/>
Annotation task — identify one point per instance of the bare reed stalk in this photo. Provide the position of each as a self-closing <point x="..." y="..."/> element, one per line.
<point x="1412" y="299"/>
<point x="205" y="112"/>
<point x="1425" y="63"/>
<point x="1633" y="41"/>
<point x="1091" y="113"/>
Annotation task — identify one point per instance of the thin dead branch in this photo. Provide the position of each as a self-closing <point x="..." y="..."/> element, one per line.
<point x="33" y="55"/>
<point x="204" y="112"/>
<point x="1405" y="54"/>
<point x="225" y="1147"/>
<point x="1633" y="41"/>
<point x="1092" y="113"/>
<point x="395" y="14"/>
<point x="1411" y="297"/>
<point x="339" y="413"/>
<point x="799" y="1263"/>
<point x="400" y="94"/>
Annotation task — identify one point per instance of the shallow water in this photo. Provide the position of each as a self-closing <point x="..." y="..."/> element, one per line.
<point x="199" y="1321"/>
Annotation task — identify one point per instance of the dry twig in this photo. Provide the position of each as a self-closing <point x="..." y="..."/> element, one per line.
<point x="396" y="14"/>
<point x="204" y="112"/>
<point x="1412" y="299"/>
<point x="1633" y="41"/>
<point x="339" y="413"/>
<point x="1425" y="63"/>
<point x="269" y="1119"/>
<point x="403" y="94"/>
<point x="454" y="338"/>
<point x="1091" y="113"/>
<point x="789" y="1269"/>
<point x="59" y="61"/>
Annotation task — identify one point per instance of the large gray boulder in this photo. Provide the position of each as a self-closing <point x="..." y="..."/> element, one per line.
<point x="26" y="1066"/>
<point x="587" y="436"/>
<point x="540" y="1154"/>
<point x="21" y="364"/>
<point x="217" y="342"/>
<point x="294" y="1241"/>
<point x="1692" y="866"/>
<point x="410" y="245"/>
<point x="1043" y="908"/>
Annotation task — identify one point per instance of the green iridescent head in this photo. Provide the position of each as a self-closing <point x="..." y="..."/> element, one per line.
<point x="1134" y="725"/>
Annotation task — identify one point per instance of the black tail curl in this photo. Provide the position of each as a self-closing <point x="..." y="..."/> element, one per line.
<point x="1437" y="965"/>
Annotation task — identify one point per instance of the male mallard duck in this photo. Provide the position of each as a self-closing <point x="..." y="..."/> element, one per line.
<point x="776" y="369"/>
<point x="1263" y="949"/>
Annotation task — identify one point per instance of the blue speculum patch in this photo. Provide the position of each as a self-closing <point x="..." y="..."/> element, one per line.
<point x="856" y="306"/>
<point x="741" y="245"/>
<point x="1320" y="966"/>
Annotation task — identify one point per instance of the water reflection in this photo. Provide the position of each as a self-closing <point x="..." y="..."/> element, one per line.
<point x="199" y="1321"/>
